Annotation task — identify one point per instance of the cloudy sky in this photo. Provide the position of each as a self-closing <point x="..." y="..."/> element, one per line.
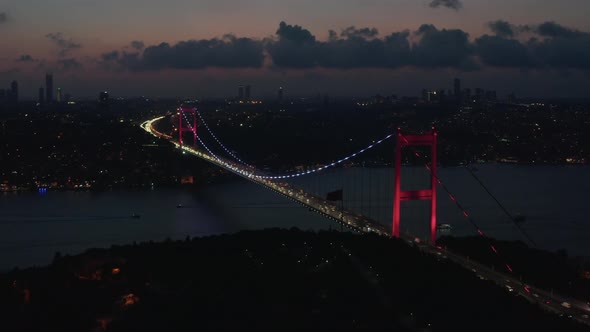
<point x="339" y="47"/>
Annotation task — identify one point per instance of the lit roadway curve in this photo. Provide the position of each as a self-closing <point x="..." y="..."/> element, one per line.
<point x="556" y="303"/>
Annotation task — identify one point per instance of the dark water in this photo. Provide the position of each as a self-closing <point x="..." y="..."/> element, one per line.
<point x="553" y="198"/>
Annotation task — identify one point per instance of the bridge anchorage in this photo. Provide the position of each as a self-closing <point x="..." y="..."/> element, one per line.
<point x="191" y="110"/>
<point x="424" y="194"/>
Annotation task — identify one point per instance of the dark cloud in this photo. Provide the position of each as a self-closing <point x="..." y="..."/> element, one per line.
<point x="68" y="64"/>
<point x="137" y="44"/>
<point x="332" y="35"/>
<point x="442" y="48"/>
<point x="295" y="47"/>
<point x="295" y="34"/>
<point x="554" y="30"/>
<point x="353" y="32"/>
<point x="555" y="47"/>
<point x="453" y="4"/>
<point x="503" y="52"/>
<point x="25" y="58"/>
<point x="359" y="48"/>
<point x="356" y="51"/>
<point x="562" y="47"/>
<point x="64" y="45"/>
<point x="227" y="52"/>
<point x="110" y="56"/>
<point x="3" y="17"/>
<point x="502" y="28"/>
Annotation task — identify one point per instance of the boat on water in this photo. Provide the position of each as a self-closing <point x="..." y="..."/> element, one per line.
<point x="179" y="206"/>
<point x="135" y="216"/>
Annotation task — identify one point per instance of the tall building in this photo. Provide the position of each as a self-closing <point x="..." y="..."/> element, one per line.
<point x="467" y="94"/>
<point x="49" y="88"/>
<point x="247" y="92"/>
<point x="281" y="94"/>
<point x="14" y="91"/>
<point x="457" y="88"/>
<point x="431" y="96"/>
<point x="241" y="92"/>
<point x="479" y="95"/>
<point x="41" y="99"/>
<point x="58" y="95"/>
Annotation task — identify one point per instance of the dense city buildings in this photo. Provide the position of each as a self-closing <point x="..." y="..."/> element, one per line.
<point x="10" y="97"/>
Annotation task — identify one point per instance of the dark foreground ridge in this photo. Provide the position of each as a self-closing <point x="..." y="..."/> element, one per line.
<point x="272" y="280"/>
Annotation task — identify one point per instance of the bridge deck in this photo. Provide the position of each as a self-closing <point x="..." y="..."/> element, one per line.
<point x="348" y="218"/>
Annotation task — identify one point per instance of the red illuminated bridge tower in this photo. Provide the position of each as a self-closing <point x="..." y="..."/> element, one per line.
<point x="425" y="194"/>
<point x="187" y="113"/>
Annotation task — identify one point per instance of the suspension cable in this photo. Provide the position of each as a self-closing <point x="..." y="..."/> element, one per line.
<point x="227" y="150"/>
<point x="294" y="175"/>
<point x="485" y="188"/>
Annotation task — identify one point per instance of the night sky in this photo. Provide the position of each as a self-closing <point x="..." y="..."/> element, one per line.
<point x="536" y="48"/>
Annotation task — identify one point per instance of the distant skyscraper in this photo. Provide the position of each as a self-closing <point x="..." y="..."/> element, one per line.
<point x="41" y="95"/>
<point x="425" y="95"/>
<point x="457" y="87"/>
<point x="479" y="95"/>
<point x="49" y="88"/>
<point x="14" y="91"/>
<point x="241" y="92"/>
<point x="467" y="94"/>
<point x="59" y="95"/>
<point x="281" y="94"/>
<point x="247" y="93"/>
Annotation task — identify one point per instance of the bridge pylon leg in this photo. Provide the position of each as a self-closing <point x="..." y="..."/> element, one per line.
<point x="425" y="194"/>
<point x="182" y="114"/>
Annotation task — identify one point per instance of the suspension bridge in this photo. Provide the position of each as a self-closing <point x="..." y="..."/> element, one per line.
<point x="189" y="119"/>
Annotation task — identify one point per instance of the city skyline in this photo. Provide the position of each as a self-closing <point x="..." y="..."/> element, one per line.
<point x="534" y="53"/>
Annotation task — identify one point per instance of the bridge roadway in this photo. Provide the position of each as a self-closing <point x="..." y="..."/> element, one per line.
<point x="346" y="217"/>
<point x="549" y="301"/>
